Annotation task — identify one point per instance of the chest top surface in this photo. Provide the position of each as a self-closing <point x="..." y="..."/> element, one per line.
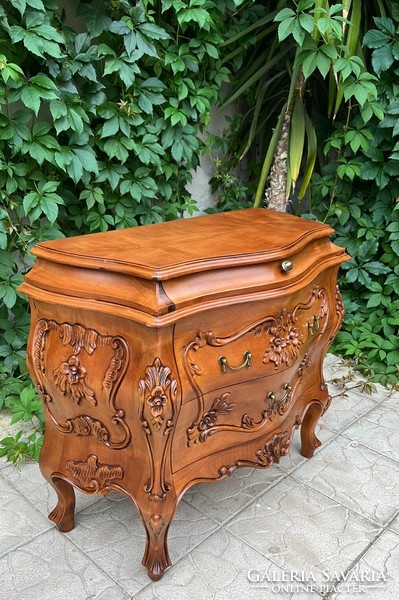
<point x="176" y="248"/>
<point x="165" y="271"/>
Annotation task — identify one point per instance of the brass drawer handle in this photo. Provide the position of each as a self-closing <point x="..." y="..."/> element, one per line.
<point x="287" y="392"/>
<point x="314" y="326"/>
<point x="287" y="265"/>
<point x="224" y="363"/>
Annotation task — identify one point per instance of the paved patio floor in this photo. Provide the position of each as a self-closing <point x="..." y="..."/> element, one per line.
<point x="327" y="527"/>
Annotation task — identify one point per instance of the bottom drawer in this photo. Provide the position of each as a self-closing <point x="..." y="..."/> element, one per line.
<point x="230" y="416"/>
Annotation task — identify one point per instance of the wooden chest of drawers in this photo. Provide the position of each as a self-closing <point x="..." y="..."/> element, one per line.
<point x="172" y="354"/>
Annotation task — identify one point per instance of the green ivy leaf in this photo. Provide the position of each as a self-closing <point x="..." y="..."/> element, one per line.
<point x="310" y="64"/>
<point x="43" y="83"/>
<point x="115" y="149"/>
<point x="376" y="39"/>
<point x="110" y="127"/>
<point x="154" y="31"/>
<point x="49" y="206"/>
<point x="8" y="295"/>
<point x="93" y="195"/>
<point x="87" y="157"/>
<point x="19" y="5"/>
<point x="145" y="45"/>
<point x="386" y="25"/>
<point x="286" y="27"/>
<point x="382" y="59"/>
<point x="284" y="14"/>
<point x="58" y="109"/>
<point x="195" y="15"/>
<point x="126" y="70"/>
<point x="82" y="160"/>
<point x="31" y="98"/>
<point x="306" y="22"/>
<point x="323" y="63"/>
<point x="96" y="18"/>
<point x="393" y="358"/>
<point x="112" y="174"/>
<point x="376" y="268"/>
<point x="38" y="4"/>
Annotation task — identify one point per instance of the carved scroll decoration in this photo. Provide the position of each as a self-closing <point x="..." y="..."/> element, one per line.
<point x="157" y="413"/>
<point x="273" y="450"/>
<point x="340" y="313"/>
<point x="305" y="365"/>
<point x="207" y="425"/>
<point x="70" y="375"/>
<point x="271" y="453"/>
<point x="92" y="476"/>
<point x="284" y="342"/>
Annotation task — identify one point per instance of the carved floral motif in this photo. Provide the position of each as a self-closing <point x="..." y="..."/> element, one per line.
<point x="159" y="386"/>
<point x="158" y="397"/>
<point x="285" y="343"/>
<point x="70" y="378"/>
<point x="205" y="427"/>
<point x="79" y="337"/>
<point x="156" y="523"/>
<point x="39" y="345"/>
<point x="117" y="363"/>
<point x="93" y="476"/>
<point x="73" y="335"/>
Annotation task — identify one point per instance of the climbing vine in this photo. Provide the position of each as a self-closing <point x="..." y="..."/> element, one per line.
<point x="101" y="107"/>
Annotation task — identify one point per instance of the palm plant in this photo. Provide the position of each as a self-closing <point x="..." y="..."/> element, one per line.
<point x="307" y="72"/>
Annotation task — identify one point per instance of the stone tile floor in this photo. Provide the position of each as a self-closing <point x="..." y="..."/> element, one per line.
<point x="305" y="529"/>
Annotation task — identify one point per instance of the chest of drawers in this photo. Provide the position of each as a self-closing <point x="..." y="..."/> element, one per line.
<point x="172" y="354"/>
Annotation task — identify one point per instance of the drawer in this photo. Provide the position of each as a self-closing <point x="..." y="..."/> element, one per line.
<point x="236" y="414"/>
<point x="289" y="268"/>
<point x="250" y="341"/>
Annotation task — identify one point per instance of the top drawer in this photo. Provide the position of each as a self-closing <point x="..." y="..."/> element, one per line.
<point x="220" y="287"/>
<point x="246" y="342"/>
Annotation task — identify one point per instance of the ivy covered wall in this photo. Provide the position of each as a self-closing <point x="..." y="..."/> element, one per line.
<point x="101" y="109"/>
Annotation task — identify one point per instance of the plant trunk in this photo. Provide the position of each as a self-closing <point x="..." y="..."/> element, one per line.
<point x="276" y="191"/>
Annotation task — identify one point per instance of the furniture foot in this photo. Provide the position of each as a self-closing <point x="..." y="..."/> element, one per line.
<point x="63" y="513"/>
<point x="156" y="556"/>
<point x="309" y="439"/>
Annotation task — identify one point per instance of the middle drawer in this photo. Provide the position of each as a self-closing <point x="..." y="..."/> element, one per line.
<point x="249" y="341"/>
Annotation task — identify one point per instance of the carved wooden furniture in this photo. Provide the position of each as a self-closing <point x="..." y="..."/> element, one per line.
<point x="172" y="354"/>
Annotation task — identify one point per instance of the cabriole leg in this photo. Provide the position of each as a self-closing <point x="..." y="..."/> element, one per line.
<point x="309" y="439"/>
<point x="156" y="555"/>
<point x="63" y="513"/>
